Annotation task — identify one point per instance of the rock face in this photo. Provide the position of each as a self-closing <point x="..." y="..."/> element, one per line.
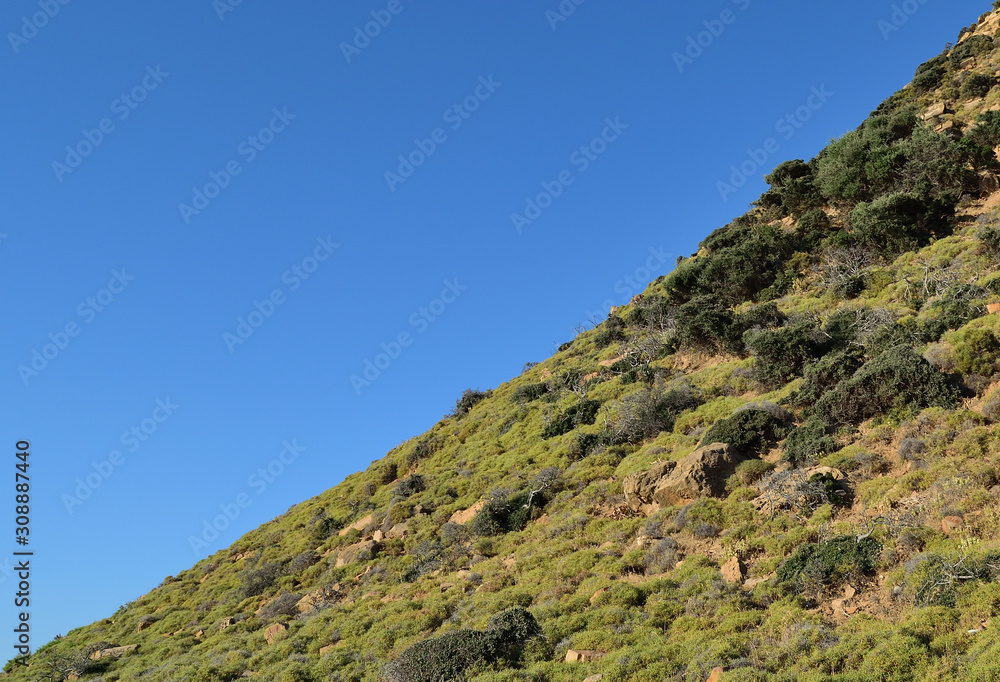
<point x="583" y="655"/>
<point x="360" y="524"/>
<point x="639" y="488"/>
<point x="716" y="675"/>
<point x="272" y="632"/>
<point x="113" y="652"/>
<point x="733" y="571"/>
<point x="463" y="517"/>
<point x="703" y="473"/>
<point x="363" y="550"/>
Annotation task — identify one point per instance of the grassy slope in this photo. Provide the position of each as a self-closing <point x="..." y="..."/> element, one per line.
<point x="655" y="622"/>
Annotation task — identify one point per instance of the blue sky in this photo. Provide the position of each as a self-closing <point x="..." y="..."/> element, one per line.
<point x="215" y="216"/>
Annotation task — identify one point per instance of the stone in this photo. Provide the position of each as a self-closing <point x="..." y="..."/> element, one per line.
<point x="324" y="650"/>
<point x="397" y="532"/>
<point x="583" y="655"/>
<point x="226" y="622"/>
<point x="754" y="582"/>
<point x="272" y="632"/>
<point x="635" y="299"/>
<point x="639" y="487"/>
<point x="199" y="634"/>
<point x="113" y="652"/>
<point x="988" y="183"/>
<point x="594" y="678"/>
<point x="594" y="597"/>
<point x="463" y="517"/>
<point x="716" y="674"/>
<point x="610" y="361"/>
<point x="72" y="676"/>
<point x="993" y="309"/>
<point x="849" y="592"/>
<point x="733" y="571"/>
<point x="952" y="524"/>
<point x="703" y="473"/>
<point x="378" y="536"/>
<point x="359" y="551"/>
<point x="143" y="625"/>
<point x="935" y="110"/>
<point x="358" y="525"/>
<point x="838" y="605"/>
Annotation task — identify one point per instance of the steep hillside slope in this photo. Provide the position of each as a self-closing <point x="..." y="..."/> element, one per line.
<point x="780" y="461"/>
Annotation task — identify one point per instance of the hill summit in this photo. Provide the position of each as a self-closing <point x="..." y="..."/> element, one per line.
<point x="779" y="462"/>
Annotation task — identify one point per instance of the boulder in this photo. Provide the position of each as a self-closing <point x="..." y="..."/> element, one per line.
<point x="463" y="517"/>
<point x="935" y="110"/>
<point x="272" y="632"/>
<point x="583" y="655"/>
<point x="993" y="309"/>
<point x="397" y="532"/>
<point x="359" y="525"/>
<point x="359" y="551"/>
<point x="716" y="675"/>
<point x="952" y="524"/>
<point x="113" y="652"/>
<point x="378" y="536"/>
<point x="639" y="487"/>
<point x="703" y="473"/>
<point x="226" y="622"/>
<point x="143" y="625"/>
<point x="594" y="678"/>
<point x="324" y="650"/>
<point x="988" y="183"/>
<point x="733" y="571"/>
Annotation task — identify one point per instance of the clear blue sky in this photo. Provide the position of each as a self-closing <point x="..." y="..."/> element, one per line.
<point x="155" y="97"/>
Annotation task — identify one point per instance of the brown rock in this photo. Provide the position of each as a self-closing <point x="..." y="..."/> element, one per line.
<point x="716" y="675"/>
<point x="754" y="582"/>
<point x="639" y="487"/>
<point x="935" y="110"/>
<point x="635" y="299"/>
<point x="360" y="524"/>
<point x="838" y="605"/>
<point x="610" y="361"/>
<point x="594" y="597"/>
<point x="359" y="551"/>
<point x="378" y="536"/>
<point x="226" y="622"/>
<point x="72" y="676"/>
<point x="463" y="517"/>
<point x="993" y="309"/>
<point x="272" y="632"/>
<point x="703" y="473"/>
<point x="583" y="655"/>
<point x="594" y="678"/>
<point x="849" y="592"/>
<point x="952" y="524"/>
<point x="113" y="652"/>
<point x="733" y="571"/>
<point x="143" y="625"/>
<point x="988" y="183"/>
<point x="324" y="650"/>
<point x="199" y="634"/>
<point x="397" y="532"/>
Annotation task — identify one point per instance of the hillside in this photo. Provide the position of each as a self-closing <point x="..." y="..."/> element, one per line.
<point x="779" y="462"/>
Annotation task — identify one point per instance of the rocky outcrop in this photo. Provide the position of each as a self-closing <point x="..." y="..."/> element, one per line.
<point x="359" y="551"/>
<point x="113" y="652"/>
<point x="703" y="473"/>
<point x="273" y="631"/>
<point x="583" y="655"/>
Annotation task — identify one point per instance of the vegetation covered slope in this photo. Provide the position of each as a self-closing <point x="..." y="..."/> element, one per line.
<point x="838" y="338"/>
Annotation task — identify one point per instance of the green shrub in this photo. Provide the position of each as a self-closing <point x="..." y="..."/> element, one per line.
<point x="583" y="412"/>
<point x="505" y="514"/>
<point x="255" y="581"/>
<point x="896" y="380"/>
<point x="970" y="47"/>
<point x="780" y="354"/>
<point x="452" y="656"/>
<point x="750" y="432"/>
<point x="959" y="304"/>
<point x="830" y="560"/>
<point x="808" y="442"/>
<point x="930" y="74"/>
<point x="529" y="392"/>
<point x="987" y="129"/>
<point x="749" y="472"/>
<point x="610" y="331"/>
<point x="649" y="412"/>
<point x="470" y="398"/>
<point x="792" y="188"/>
<point x="899" y="221"/>
<point x="978" y="352"/>
<point x="977" y="85"/>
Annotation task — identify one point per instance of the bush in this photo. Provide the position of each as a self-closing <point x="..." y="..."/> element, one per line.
<point x="792" y="188"/>
<point x="649" y="412"/>
<point x="977" y="85"/>
<point x="978" y="352"/>
<point x="283" y="606"/>
<point x="410" y="485"/>
<point x="897" y="380"/>
<point x="451" y="656"/>
<point x="841" y="558"/>
<point x="970" y="47"/>
<point x="781" y="353"/>
<point x="256" y="581"/>
<point x="750" y="432"/>
<point x="529" y="392"/>
<point x="930" y="74"/>
<point x="749" y="472"/>
<point x="959" y="304"/>
<point x="899" y="221"/>
<point x="991" y="407"/>
<point x="470" y="398"/>
<point x="582" y="413"/>
<point x="662" y="556"/>
<point x="611" y="331"/>
<point x="502" y="514"/>
<point x="303" y="561"/>
<point x="910" y="448"/>
<point x="807" y="442"/>
<point x="987" y="129"/>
